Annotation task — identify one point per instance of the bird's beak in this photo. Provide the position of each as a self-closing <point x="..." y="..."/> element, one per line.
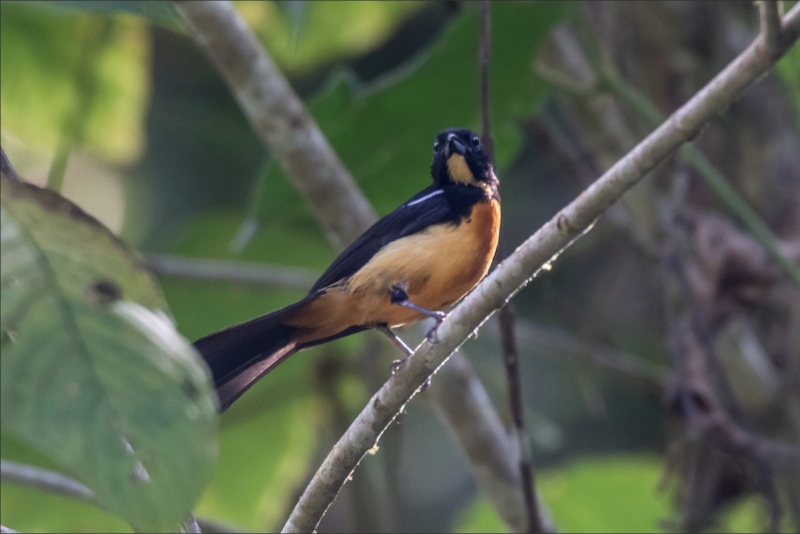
<point x="454" y="146"/>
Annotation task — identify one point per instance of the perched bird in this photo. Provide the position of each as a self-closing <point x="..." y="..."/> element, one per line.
<point x="412" y="264"/>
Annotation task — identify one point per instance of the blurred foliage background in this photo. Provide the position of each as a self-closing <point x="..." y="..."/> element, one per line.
<point x="112" y="104"/>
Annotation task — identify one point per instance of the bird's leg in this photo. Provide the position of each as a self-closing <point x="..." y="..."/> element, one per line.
<point x="399" y="296"/>
<point x="400" y="344"/>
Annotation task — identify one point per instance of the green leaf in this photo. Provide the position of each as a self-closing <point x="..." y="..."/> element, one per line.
<point x="74" y="75"/>
<point x="93" y="372"/>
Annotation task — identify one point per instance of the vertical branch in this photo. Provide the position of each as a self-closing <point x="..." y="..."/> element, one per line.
<point x="506" y="314"/>
<point x="484" y="54"/>
<point x="770" y="26"/>
<point x="511" y="360"/>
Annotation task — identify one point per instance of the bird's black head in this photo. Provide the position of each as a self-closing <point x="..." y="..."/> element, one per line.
<point x="459" y="158"/>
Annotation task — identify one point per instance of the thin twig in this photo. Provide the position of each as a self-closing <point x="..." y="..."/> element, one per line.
<point x="511" y="361"/>
<point x="231" y="271"/>
<point x="770" y="26"/>
<point x="484" y="57"/>
<point x="516" y="271"/>
<point x="280" y="119"/>
<point x="46" y="480"/>
<point x="506" y="315"/>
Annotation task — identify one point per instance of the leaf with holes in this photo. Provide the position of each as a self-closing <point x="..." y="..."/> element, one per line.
<point x="93" y="372"/>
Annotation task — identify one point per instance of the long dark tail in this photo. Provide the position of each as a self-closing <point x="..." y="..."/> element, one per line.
<point x="238" y="356"/>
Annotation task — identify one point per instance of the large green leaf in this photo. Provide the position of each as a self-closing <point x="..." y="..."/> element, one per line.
<point x="93" y="372"/>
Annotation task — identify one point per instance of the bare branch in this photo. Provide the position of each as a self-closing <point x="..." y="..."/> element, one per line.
<point x="770" y="26"/>
<point x="515" y="272"/>
<point x="232" y="271"/>
<point x="280" y="119"/>
<point x="45" y="480"/>
<point x="525" y="463"/>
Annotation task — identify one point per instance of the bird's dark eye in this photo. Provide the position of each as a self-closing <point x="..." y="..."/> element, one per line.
<point x="476" y="142"/>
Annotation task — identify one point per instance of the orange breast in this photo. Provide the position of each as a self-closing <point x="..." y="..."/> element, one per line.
<point x="436" y="267"/>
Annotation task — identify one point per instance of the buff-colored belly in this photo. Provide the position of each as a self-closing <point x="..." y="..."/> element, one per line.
<point x="436" y="267"/>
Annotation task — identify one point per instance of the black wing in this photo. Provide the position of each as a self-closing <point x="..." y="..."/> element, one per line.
<point x="428" y="207"/>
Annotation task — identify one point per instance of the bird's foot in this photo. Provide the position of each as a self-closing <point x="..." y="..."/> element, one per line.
<point x="431" y="335"/>
<point x="399" y="296"/>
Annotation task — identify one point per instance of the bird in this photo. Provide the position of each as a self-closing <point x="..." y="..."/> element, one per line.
<point x="410" y="265"/>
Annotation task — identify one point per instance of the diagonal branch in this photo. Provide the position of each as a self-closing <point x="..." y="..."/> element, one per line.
<point x="516" y="271"/>
<point x="280" y="119"/>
